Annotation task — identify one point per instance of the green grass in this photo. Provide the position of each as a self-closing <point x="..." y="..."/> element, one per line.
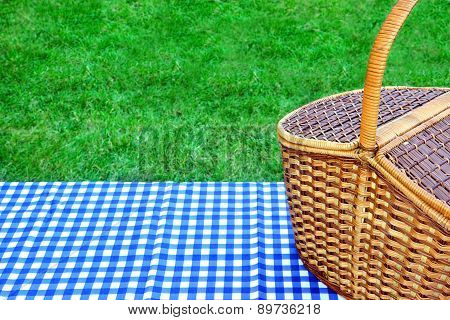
<point x="185" y="90"/>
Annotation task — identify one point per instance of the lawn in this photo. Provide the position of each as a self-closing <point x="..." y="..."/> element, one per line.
<point x="185" y="90"/>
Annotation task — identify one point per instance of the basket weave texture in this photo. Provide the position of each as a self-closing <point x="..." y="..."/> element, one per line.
<point x="371" y="217"/>
<point x="320" y="120"/>
<point x="425" y="159"/>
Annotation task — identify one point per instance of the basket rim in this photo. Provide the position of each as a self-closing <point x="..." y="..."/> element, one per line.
<point x="333" y="145"/>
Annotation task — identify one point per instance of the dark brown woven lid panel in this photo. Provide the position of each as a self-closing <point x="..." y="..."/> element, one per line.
<point x="338" y="118"/>
<point x="425" y="158"/>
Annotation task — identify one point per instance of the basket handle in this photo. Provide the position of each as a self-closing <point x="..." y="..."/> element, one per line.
<point x="375" y="71"/>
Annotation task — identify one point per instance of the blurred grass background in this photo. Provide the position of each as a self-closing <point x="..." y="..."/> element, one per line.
<point x="185" y="90"/>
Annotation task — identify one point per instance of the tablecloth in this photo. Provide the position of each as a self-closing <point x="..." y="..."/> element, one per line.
<point x="159" y="240"/>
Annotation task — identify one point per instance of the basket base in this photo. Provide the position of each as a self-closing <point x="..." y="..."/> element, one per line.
<point x="319" y="276"/>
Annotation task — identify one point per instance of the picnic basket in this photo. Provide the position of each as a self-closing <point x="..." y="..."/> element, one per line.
<point x="371" y="216"/>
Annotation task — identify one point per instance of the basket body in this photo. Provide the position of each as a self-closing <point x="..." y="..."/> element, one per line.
<point x="361" y="224"/>
<point x="359" y="234"/>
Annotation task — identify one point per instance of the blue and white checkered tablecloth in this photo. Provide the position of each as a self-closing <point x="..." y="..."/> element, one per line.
<point x="109" y="240"/>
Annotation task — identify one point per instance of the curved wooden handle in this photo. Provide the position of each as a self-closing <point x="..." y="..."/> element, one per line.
<point x="375" y="71"/>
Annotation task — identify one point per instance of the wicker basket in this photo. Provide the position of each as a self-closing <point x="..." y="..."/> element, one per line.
<point x="371" y="217"/>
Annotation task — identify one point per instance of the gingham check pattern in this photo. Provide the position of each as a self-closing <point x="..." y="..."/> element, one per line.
<point x="108" y="240"/>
